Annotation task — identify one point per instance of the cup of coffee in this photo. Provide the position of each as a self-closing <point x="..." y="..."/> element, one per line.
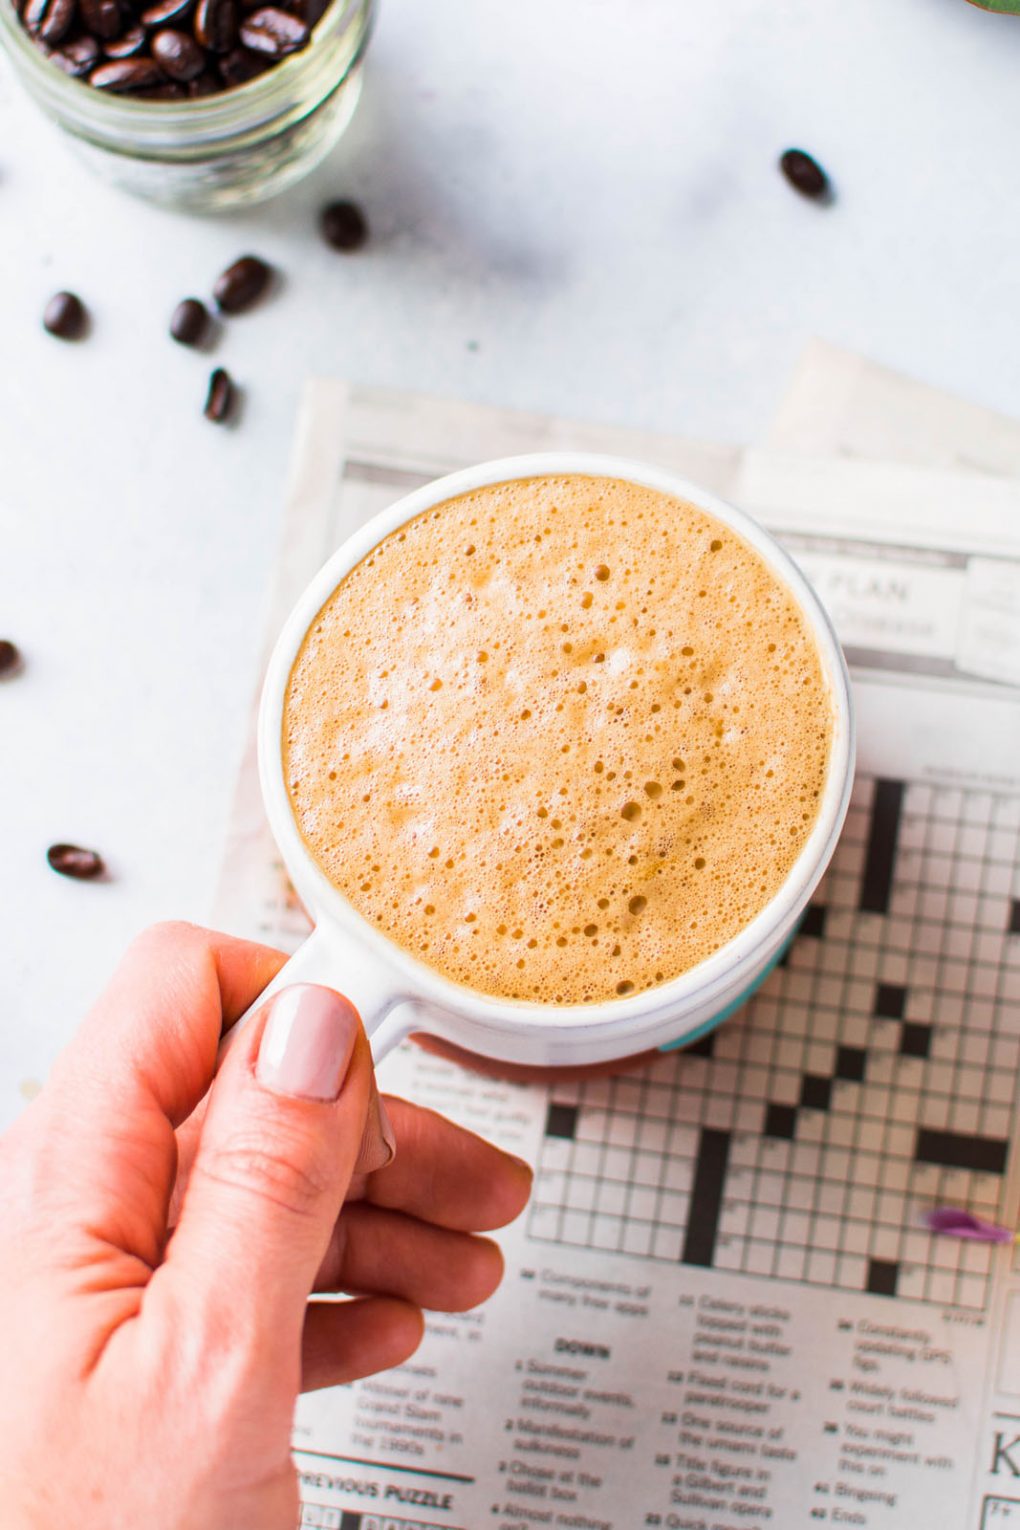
<point x="555" y="751"/>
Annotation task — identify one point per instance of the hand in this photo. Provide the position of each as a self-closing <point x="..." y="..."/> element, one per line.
<point x="161" y="1232"/>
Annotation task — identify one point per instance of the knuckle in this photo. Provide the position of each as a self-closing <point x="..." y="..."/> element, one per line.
<point x="277" y="1174"/>
<point x="171" y="934"/>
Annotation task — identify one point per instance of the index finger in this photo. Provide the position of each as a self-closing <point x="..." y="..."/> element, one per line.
<point x="445" y="1174"/>
<point x="152" y="1036"/>
<point x="103" y="1131"/>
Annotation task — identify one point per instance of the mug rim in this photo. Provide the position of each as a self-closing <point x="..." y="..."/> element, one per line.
<point x="415" y="980"/>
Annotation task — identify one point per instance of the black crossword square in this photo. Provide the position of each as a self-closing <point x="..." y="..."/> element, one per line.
<point x="781" y="1121"/>
<point x="851" y="1063"/>
<point x="890" y="1001"/>
<point x="815" y="1091"/>
<point x="561" y="1120"/>
<point x="813" y="922"/>
<point x="1014" y="917"/>
<point x="915" y="1040"/>
<point x="703" y="1047"/>
<point x="882" y="1277"/>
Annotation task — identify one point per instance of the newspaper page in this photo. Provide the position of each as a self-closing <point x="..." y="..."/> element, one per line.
<point x="841" y="404"/>
<point x="721" y="1308"/>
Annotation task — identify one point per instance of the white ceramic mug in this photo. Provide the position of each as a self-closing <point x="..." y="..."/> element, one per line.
<point x="395" y="993"/>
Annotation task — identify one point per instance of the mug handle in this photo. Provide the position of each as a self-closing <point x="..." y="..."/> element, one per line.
<point x="336" y="959"/>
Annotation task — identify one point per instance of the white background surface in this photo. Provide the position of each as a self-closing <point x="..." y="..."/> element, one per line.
<point x="575" y="208"/>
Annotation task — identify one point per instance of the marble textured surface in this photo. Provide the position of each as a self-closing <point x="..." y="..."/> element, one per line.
<point x="575" y="208"/>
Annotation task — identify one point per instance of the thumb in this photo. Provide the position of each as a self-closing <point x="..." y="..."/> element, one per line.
<point x="286" y="1118"/>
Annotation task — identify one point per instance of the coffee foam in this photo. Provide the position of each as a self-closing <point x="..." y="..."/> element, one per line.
<point x="560" y="738"/>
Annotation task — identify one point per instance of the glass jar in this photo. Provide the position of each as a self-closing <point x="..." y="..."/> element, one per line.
<point x="219" y="151"/>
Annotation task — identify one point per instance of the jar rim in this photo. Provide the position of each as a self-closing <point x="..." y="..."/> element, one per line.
<point x="154" y="124"/>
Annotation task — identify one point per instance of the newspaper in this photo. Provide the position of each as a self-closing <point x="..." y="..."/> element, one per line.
<point x="842" y="404"/>
<point x="721" y="1308"/>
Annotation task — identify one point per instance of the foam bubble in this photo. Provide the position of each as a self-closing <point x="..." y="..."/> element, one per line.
<point x="561" y="738"/>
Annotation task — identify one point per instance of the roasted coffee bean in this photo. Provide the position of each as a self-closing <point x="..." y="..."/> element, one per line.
<point x="239" y="66"/>
<point x="103" y="18"/>
<point x="168" y="91"/>
<point x="242" y="284"/>
<point x="129" y="44"/>
<point x="311" y="11"/>
<point x="216" y="25"/>
<point x="78" y="57"/>
<point x="148" y="49"/>
<point x="65" y="316"/>
<point x="273" y="32"/>
<point x="343" y="225"/>
<point x="73" y="861"/>
<point x="166" y="13"/>
<point x="206" y="84"/>
<point x="10" y="658"/>
<point x="49" y="20"/>
<point x="189" y="322"/>
<point x="220" y="398"/>
<point x="127" y="74"/>
<point x="178" y="54"/>
<point x="804" y="174"/>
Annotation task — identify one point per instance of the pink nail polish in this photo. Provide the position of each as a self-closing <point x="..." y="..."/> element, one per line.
<point x="307" y="1044"/>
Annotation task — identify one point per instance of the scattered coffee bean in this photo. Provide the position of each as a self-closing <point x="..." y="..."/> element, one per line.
<point x="220" y="399"/>
<point x="178" y="54"/>
<point x="65" y="316"/>
<point x="103" y="18"/>
<point x="77" y="58"/>
<point x="166" y="13"/>
<point x="273" y="32"/>
<point x="49" y="20"/>
<point x="124" y="75"/>
<point x="73" y="861"/>
<point x="216" y="25"/>
<point x="242" y="284"/>
<point x="189" y="322"/>
<point x="128" y="44"/>
<point x="804" y="174"/>
<point x="10" y="658"/>
<point x="343" y="225"/>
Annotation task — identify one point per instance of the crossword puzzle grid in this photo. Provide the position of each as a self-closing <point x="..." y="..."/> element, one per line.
<point x="317" y="1516"/>
<point x="874" y="1074"/>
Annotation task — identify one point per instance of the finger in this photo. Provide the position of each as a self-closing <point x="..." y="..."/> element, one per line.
<point x="152" y="1036"/>
<point x="391" y="1254"/>
<point x="282" y="1132"/>
<point x="189" y="1134"/>
<point x="104" y="1145"/>
<point x="343" y="1341"/>
<point x="378" y="1147"/>
<point x="447" y="1175"/>
<point x="379" y="1144"/>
